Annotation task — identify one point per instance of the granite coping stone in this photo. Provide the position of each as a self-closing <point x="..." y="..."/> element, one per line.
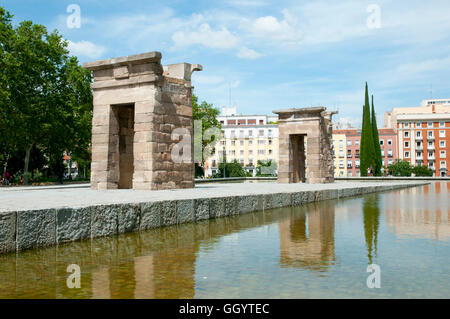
<point x="29" y="228"/>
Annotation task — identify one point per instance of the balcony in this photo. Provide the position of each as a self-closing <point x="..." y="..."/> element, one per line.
<point x="349" y="166"/>
<point x="419" y="158"/>
<point x="349" y="155"/>
<point x="431" y="158"/>
<point x="430" y="137"/>
<point x="357" y="155"/>
<point x="419" y="148"/>
<point x="430" y="147"/>
<point x="419" y="138"/>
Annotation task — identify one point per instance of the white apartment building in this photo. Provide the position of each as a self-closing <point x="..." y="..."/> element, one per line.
<point x="246" y="138"/>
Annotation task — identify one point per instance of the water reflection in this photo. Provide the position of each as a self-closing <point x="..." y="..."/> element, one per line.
<point x="307" y="237"/>
<point x="325" y="238"/>
<point x="371" y="219"/>
<point x="422" y="212"/>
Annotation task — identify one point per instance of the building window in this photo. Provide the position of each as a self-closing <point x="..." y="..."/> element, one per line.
<point x="389" y="142"/>
<point x="261" y="122"/>
<point x="270" y="142"/>
<point x="430" y="133"/>
<point x="418" y="134"/>
<point x="270" y="132"/>
<point x="241" y="152"/>
<point x="250" y="133"/>
<point x="241" y="143"/>
<point x="406" y="154"/>
<point x="406" y="134"/>
<point x="357" y="163"/>
<point x="430" y="155"/>
<point x="270" y="152"/>
<point x="441" y="124"/>
<point x="349" y="143"/>
<point x="390" y="162"/>
<point x="406" y="144"/>
<point x="389" y="152"/>
<point x="441" y="133"/>
<point x="443" y="154"/>
<point x="382" y="153"/>
<point x="250" y="142"/>
<point x="261" y="142"/>
<point x="406" y="125"/>
<point x="418" y="125"/>
<point x="443" y="164"/>
<point x="442" y="144"/>
<point x="381" y="142"/>
<point x="261" y="152"/>
<point x="349" y="164"/>
<point x="341" y="164"/>
<point x="250" y="152"/>
<point x="419" y="154"/>
<point x="341" y="143"/>
<point x="430" y="124"/>
<point x="356" y="142"/>
<point x="341" y="153"/>
<point x="233" y="143"/>
<point x="261" y="132"/>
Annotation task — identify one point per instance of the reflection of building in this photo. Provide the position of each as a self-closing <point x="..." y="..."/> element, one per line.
<point x="421" y="212"/>
<point x="307" y="237"/>
<point x="247" y="139"/>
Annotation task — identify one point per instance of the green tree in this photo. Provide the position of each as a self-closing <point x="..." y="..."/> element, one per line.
<point x="376" y="143"/>
<point x="400" y="168"/>
<point x="207" y="113"/>
<point x="367" y="143"/>
<point x="421" y="170"/>
<point x="233" y="169"/>
<point x="48" y="101"/>
<point x="266" y="168"/>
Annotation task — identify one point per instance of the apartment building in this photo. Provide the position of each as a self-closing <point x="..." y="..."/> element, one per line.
<point x="388" y="145"/>
<point x="424" y="139"/>
<point x="247" y="139"/>
<point x="339" y="155"/>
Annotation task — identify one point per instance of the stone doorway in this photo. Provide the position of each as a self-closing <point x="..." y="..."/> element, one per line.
<point x="298" y="157"/>
<point x="124" y="116"/>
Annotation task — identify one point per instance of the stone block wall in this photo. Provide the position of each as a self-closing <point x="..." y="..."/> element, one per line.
<point x="142" y="111"/>
<point x="315" y="125"/>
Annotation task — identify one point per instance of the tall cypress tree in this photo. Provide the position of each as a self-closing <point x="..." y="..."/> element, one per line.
<point x="376" y="142"/>
<point x="367" y="150"/>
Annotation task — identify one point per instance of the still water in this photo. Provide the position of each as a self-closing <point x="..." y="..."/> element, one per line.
<point x="319" y="250"/>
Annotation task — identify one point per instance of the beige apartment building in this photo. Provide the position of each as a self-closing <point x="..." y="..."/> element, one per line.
<point x="247" y="139"/>
<point x="339" y="155"/>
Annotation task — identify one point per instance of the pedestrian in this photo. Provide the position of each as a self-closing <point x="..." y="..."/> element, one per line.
<point x="6" y="179"/>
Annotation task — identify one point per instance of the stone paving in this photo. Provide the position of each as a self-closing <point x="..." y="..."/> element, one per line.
<point x="36" y="217"/>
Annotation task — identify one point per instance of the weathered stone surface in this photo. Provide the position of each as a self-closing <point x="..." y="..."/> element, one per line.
<point x="201" y="208"/>
<point x="150" y="215"/>
<point x="7" y="232"/>
<point x="230" y="206"/>
<point x="247" y="204"/>
<point x="281" y="200"/>
<point x="72" y="224"/>
<point x="168" y="213"/>
<point x="36" y="228"/>
<point x="185" y="211"/>
<point x="297" y="199"/>
<point x="217" y="207"/>
<point x="128" y="216"/>
<point x="104" y="221"/>
<point x="294" y="125"/>
<point x="139" y="106"/>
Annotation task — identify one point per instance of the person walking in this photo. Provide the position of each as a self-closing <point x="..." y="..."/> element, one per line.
<point x="6" y="178"/>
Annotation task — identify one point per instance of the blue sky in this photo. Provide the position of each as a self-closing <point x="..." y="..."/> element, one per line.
<point x="273" y="54"/>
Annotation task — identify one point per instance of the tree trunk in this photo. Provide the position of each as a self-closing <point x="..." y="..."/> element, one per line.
<point x="27" y="161"/>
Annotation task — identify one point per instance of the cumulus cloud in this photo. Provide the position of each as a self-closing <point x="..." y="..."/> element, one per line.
<point x="246" y="53"/>
<point x="285" y="31"/>
<point x="86" y="49"/>
<point x="204" y="35"/>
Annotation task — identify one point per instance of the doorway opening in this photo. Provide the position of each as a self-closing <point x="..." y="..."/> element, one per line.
<point x="124" y="116"/>
<point x="297" y="158"/>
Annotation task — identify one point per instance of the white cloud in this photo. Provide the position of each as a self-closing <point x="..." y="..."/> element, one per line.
<point x="86" y="49"/>
<point x="285" y="31"/>
<point x="246" y="53"/>
<point x="204" y="35"/>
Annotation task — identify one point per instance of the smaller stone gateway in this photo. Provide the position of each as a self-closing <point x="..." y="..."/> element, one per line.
<point x="142" y="131"/>
<point x="315" y="164"/>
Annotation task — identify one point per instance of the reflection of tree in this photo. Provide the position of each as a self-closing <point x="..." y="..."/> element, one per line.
<point x="371" y="212"/>
<point x="307" y="237"/>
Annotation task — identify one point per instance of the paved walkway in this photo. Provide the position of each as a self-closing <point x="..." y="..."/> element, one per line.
<point x="30" y="198"/>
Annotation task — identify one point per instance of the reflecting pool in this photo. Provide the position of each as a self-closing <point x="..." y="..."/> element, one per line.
<point x="319" y="250"/>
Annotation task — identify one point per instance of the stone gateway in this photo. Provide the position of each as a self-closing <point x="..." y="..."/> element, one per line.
<point x="297" y="163"/>
<point x="142" y="111"/>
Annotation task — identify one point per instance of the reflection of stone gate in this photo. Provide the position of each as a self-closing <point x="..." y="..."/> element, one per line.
<point x="315" y="164"/>
<point x="139" y="105"/>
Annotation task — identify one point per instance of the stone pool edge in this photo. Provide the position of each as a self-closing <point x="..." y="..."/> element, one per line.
<point x="27" y="229"/>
